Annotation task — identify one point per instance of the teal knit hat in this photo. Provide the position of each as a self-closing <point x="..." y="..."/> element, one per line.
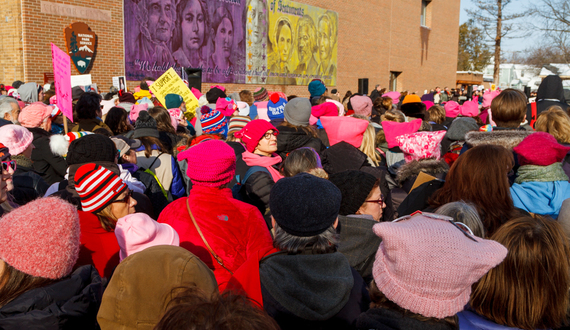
<point x="173" y="101"/>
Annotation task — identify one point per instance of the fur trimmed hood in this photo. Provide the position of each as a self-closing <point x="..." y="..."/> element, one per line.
<point x="505" y="138"/>
<point x="428" y="166"/>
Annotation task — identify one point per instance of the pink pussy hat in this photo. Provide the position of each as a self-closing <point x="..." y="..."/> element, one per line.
<point x="211" y="163"/>
<point x="136" y="232"/>
<point x="427" y="265"/>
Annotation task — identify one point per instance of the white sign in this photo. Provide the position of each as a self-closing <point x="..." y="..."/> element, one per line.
<point x="81" y="80"/>
<point x="119" y="82"/>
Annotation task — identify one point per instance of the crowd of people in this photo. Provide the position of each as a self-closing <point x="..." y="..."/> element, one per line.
<point x="260" y="210"/>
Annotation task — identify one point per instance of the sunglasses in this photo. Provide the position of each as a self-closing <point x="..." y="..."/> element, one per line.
<point x="8" y="164"/>
<point x="459" y="225"/>
<point x="268" y="135"/>
<point x="126" y="200"/>
<point x="379" y="201"/>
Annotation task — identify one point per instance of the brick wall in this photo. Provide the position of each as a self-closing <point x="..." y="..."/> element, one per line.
<point x="11" y="58"/>
<point x="375" y="37"/>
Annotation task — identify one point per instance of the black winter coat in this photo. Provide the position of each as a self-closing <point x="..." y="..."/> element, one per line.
<point x="28" y="185"/>
<point x="291" y="138"/>
<point x="71" y="303"/>
<point x="550" y="92"/>
<point x="50" y="167"/>
<point x="386" y="319"/>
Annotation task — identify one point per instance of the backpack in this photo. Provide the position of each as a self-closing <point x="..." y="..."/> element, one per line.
<point x="238" y="190"/>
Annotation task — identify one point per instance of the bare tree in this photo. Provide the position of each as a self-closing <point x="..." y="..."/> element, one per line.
<point x="554" y="21"/>
<point x="497" y="24"/>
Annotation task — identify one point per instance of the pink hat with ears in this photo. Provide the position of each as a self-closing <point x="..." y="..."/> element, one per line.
<point x="338" y="105"/>
<point x="136" y="232"/>
<point x="174" y="116"/>
<point x="428" y="104"/>
<point x="226" y="106"/>
<point x="136" y="109"/>
<point x="222" y="88"/>
<point x="393" y="130"/>
<point x="53" y="100"/>
<point x="421" y="145"/>
<point x="395" y="96"/>
<point x="324" y="109"/>
<point x="488" y="98"/>
<point x="451" y="109"/>
<point x="16" y="138"/>
<point x="196" y="93"/>
<point x="469" y="109"/>
<point x="348" y="129"/>
<point x="34" y="114"/>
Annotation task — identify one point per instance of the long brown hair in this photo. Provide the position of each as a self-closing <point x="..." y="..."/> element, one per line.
<point x="148" y="142"/>
<point x="13" y="283"/>
<point x="529" y="289"/>
<point x="480" y="176"/>
<point x="162" y="117"/>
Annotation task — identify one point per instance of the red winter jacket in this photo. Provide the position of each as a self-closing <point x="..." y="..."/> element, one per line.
<point x="98" y="246"/>
<point x="234" y="230"/>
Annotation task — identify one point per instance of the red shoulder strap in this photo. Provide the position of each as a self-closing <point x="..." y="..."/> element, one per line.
<point x="533" y="116"/>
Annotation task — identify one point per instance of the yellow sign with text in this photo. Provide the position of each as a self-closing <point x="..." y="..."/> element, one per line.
<point x="171" y="83"/>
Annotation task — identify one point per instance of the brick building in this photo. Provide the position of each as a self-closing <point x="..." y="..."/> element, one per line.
<point x="404" y="44"/>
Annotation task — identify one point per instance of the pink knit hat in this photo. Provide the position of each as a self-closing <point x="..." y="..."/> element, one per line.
<point x="253" y="132"/>
<point x="16" y="138"/>
<point x="362" y="105"/>
<point x="428" y="104"/>
<point x="34" y="114"/>
<point x="40" y="245"/>
<point x="451" y="109"/>
<point x="394" y="129"/>
<point x="427" y="266"/>
<point x="469" y="109"/>
<point x="421" y="145"/>
<point x="395" y="96"/>
<point x="226" y="106"/>
<point x="488" y="98"/>
<point x="324" y="109"/>
<point x="135" y="111"/>
<point x="136" y="232"/>
<point x="540" y="149"/>
<point x="211" y="163"/>
<point x="348" y="129"/>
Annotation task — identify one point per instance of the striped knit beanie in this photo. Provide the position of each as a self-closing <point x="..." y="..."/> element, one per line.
<point x="260" y="94"/>
<point x="213" y="121"/>
<point x="72" y="136"/>
<point x="237" y="123"/>
<point x="97" y="187"/>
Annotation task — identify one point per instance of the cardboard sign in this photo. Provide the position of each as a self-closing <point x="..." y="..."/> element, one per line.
<point x="81" y="80"/>
<point x="81" y="45"/>
<point x="171" y="83"/>
<point x="62" y="78"/>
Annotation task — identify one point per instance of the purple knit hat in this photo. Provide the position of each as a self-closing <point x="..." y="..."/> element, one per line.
<point x="427" y="266"/>
<point x="211" y="163"/>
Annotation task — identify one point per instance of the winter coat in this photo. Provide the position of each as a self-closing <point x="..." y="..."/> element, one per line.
<point x="508" y="138"/>
<point x="544" y="198"/>
<point x="165" y="169"/>
<point x="550" y="92"/>
<point x="312" y="291"/>
<point x="152" y="188"/>
<point x="387" y="319"/>
<point x="417" y="199"/>
<point x="343" y="156"/>
<point x="90" y="125"/>
<point x="469" y="320"/>
<point x="291" y="138"/>
<point x="98" y="246"/>
<point x="28" y="185"/>
<point x="358" y="243"/>
<point x="50" y="167"/>
<point x="234" y="230"/>
<point x="70" y="303"/>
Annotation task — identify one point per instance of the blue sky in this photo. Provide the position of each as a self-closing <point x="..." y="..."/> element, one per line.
<point x="519" y="44"/>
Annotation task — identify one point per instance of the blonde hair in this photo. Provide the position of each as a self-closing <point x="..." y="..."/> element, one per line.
<point x="437" y="114"/>
<point x="368" y="145"/>
<point x="556" y="122"/>
<point x="107" y="219"/>
<point x="393" y="115"/>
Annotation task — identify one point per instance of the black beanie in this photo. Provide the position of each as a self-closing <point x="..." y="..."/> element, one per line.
<point x="145" y="126"/>
<point x="304" y="205"/>
<point x="414" y="109"/>
<point x="355" y="187"/>
<point x="91" y="148"/>
<point x="214" y="94"/>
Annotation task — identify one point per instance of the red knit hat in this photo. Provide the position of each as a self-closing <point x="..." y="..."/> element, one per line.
<point x="540" y="149"/>
<point x="97" y="187"/>
<point x="211" y="163"/>
<point x="40" y="245"/>
<point x="253" y="132"/>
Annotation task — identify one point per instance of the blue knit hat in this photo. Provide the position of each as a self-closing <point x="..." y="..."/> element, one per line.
<point x="213" y="121"/>
<point x="275" y="110"/>
<point x="316" y="88"/>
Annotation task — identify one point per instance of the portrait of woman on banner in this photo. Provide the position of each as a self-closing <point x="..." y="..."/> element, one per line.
<point x="306" y="49"/>
<point x="327" y="35"/>
<point x="284" y="39"/>
<point x="156" y="19"/>
<point x="223" y="34"/>
<point x="255" y="21"/>
<point x="190" y="34"/>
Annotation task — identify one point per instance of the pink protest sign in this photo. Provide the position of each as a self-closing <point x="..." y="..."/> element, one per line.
<point x="62" y="77"/>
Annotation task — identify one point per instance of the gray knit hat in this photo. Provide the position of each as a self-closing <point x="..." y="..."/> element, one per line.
<point x="298" y="111"/>
<point x="145" y="126"/>
<point x="459" y="127"/>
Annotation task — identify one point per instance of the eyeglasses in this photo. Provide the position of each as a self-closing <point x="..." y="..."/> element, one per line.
<point x="379" y="201"/>
<point x="459" y="225"/>
<point x="8" y="164"/>
<point x="268" y="135"/>
<point x="127" y="198"/>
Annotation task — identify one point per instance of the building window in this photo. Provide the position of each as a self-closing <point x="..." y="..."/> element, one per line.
<point x="424" y="15"/>
<point x="394" y="80"/>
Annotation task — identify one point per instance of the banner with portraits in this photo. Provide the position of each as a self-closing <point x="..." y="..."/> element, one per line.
<point x="232" y="41"/>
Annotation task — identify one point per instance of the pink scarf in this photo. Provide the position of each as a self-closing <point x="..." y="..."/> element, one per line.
<point x="252" y="159"/>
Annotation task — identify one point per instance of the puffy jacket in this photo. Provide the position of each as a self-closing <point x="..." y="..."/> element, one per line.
<point x="71" y="303"/>
<point x="291" y="138"/>
<point x="28" y="185"/>
<point x="234" y="230"/>
<point x="51" y="168"/>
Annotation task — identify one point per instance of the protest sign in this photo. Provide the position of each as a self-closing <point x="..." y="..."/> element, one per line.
<point x="171" y="83"/>
<point x="81" y="80"/>
<point x="62" y="78"/>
